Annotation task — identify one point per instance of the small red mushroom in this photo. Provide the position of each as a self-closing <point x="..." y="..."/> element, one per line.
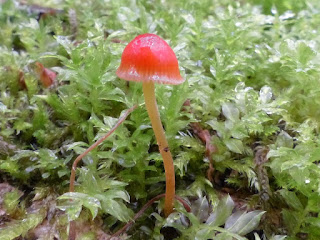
<point x="149" y="59"/>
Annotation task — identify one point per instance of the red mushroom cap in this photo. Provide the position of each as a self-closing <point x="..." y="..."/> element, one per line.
<point x="149" y="58"/>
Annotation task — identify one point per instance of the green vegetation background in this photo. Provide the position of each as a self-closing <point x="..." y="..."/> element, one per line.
<point x="252" y="78"/>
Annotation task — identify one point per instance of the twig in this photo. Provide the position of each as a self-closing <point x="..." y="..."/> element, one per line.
<point x="72" y="233"/>
<point x="73" y="23"/>
<point x="143" y="209"/>
<point x="93" y="146"/>
<point x="205" y="137"/>
<point x="260" y="159"/>
<point x="37" y="9"/>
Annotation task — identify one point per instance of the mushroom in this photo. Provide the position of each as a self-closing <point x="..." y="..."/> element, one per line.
<point x="149" y="59"/>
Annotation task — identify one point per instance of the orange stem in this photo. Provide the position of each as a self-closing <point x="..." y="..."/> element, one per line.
<point x="152" y="108"/>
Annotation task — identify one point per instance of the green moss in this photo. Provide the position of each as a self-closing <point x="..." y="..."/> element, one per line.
<point x="252" y="77"/>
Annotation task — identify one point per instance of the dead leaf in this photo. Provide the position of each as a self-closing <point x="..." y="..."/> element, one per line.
<point x="46" y="76"/>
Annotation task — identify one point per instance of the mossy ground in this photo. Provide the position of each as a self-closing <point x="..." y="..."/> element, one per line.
<point x="245" y="123"/>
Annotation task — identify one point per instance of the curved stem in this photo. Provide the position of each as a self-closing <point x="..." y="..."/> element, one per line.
<point x="72" y="233"/>
<point x="143" y="209"/>
<point x="93" y="146"/>
<point x="152" y="108"/>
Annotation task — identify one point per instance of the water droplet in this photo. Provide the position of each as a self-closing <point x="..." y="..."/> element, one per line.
<point x="265" y="94"/>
